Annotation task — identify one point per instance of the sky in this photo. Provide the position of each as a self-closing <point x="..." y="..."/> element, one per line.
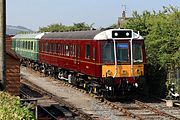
<point x="101" y="13"/>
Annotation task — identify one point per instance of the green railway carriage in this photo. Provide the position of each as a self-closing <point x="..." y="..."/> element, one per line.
<point x="27" y="45"/>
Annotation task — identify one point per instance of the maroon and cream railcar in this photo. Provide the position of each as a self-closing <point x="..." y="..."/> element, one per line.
<point x="113" y="58"/>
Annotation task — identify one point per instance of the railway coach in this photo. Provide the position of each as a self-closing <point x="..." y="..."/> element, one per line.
<point x="109" y="62"/>
<point x="27" y="45"/>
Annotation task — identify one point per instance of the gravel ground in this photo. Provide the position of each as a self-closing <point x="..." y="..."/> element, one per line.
<point x="82" y="101"/>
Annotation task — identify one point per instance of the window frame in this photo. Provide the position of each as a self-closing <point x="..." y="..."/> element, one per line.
<point x="87" y="51"/>
<point x="94" y="53"/>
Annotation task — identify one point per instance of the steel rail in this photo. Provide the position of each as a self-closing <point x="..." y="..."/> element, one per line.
<point x="57" y="99"/>
<point x="158" y="112"/>
<point x="50" y="114"/>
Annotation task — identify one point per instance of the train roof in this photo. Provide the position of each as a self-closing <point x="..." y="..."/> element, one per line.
<point x="88" y="35"/>
<point x="29" y="36"/>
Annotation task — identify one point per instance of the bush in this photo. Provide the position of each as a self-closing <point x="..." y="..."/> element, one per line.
<point x="11" y="108"/>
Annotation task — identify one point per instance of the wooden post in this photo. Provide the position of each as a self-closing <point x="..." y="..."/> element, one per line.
<point x="2" y="43"/>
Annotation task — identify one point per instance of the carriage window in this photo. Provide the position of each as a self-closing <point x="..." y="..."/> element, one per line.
<point x="122" y="52"/>
<point x="79" y="51"/>
<point x="49" y="47"/>
<point x="23" y="45"/>
<point x="53" y="47"/>
<point x="20" y="44"/>
<point x="137" y="53"/>
<point x="57" y="48"/>
<point x="31" y="45"/>
<point x="70" y="50"/>
<point x="34" y="45"/>
<point x="94" y="53"/>
<point x="74" y="51"/>
<point x="47" y="50"/>
<point x="63" y="50"/>
<point x="87" y="51"/>
<point x="67" y="50"/>
<point x="42" y="49"/>
<point x="26" y="45"/>
<point x="44" y="44"/>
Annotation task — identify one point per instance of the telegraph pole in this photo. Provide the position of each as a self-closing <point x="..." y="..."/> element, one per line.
<point x="2" y="43"/>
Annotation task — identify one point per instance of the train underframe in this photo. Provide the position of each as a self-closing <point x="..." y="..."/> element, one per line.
<point x="106" y="87"/>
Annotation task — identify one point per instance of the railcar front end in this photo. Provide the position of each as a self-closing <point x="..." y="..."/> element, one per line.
<point x="122" y="59"/>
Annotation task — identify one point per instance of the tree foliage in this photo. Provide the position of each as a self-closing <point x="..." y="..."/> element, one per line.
<point x="162" y="35"/>
<point x="62" y="28"/>
<point x="161" y="31"/>
<point x="11" y="108"/>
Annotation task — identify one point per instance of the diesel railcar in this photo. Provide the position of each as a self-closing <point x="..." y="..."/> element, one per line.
<point x="109" y="62"/>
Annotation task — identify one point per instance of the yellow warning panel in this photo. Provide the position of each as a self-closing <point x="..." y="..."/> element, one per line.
<point x="122" y="70"/>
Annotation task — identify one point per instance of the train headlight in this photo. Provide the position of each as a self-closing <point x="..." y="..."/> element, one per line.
<point x="124" y="72"/>
<point x="109" y="73"/>
<point x="139" y="72"/>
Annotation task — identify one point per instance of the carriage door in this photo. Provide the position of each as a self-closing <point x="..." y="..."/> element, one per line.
<point x="94" y="58"/>
<point x="78" y="56"/>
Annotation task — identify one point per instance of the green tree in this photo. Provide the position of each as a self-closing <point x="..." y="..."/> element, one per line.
<point x="62" y="28"/>
<point x="162" y="41"/>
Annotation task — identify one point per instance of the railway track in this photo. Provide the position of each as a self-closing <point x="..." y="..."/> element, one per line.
<point x="45" y="107"/>
<point x="146" y="111"/>
<point x="55" y="98"/>
<point x="26" y="92"/>
<point x="134" y="110"/>
<point x="154" y="112"/>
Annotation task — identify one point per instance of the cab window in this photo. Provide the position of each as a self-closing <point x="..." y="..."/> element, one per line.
<point x="122" y="52"/>
<point x="137" y="53"/>
<point x="107" y="52"/>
